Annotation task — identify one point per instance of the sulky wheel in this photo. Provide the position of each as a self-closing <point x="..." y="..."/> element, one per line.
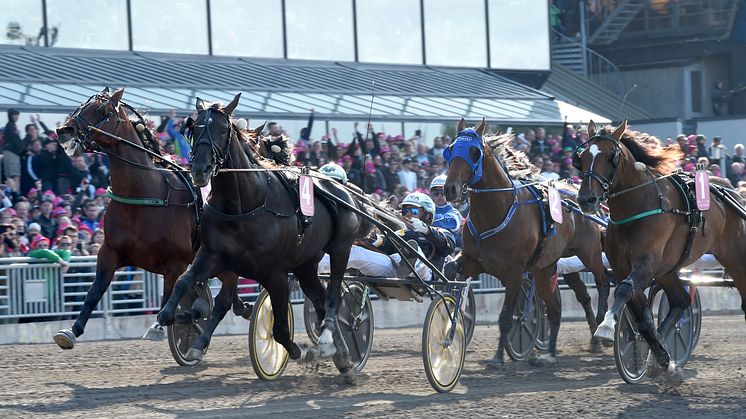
<point x="469" y="312"/>
<point x="311" y="321"/>
<point x="630" y="349"/>
<point x="542" y="339"/>
<point x="355" y="319"/>
<point x="268" y="357"/>
<point x="681" y="340"/>
<point x="184" y="331"/>
<point x="696" y="307"/>
<point x="443" y="355"/>
<point x="526" y="322"/>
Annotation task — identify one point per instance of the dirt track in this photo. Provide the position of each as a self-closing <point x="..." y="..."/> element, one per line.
<point x="138" y="379"/>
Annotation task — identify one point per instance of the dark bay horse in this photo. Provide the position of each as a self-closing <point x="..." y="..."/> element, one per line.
<point x="653" y="230"/>
<point x="156" y="229"/>
<point x="508" y="233"/>
<point x="251" y="226"/>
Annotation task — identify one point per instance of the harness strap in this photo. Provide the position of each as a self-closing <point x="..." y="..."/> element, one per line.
<point x="147" y="202"/>
<point x="636" y="217"/>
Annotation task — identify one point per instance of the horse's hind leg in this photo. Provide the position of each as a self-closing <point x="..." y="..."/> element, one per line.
<point x="312" y="288"/>
<point x="512" y="282"/>
<point x="545" y="290"/>
<point x="678" y="301"/>
<point x="106" y="263"/>
<point x="580" y="290"/>
<point x="223" y="302"/>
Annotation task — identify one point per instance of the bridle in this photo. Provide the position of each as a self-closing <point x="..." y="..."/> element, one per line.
<point x="84" y="127"/>
<point x="219" y="155"/>
<point x="604" y="181"/>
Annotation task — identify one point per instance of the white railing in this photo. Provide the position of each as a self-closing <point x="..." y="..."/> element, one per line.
<point x="38" y="290"/>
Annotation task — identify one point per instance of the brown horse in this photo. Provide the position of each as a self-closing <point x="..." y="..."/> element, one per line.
<point x="156" y="230"/>
<point x="508" y="232"/>
<point x="653" y="230"/>
<point x="251" y="226"/>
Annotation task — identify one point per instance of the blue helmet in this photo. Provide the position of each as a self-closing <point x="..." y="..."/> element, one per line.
<point x="335" y="171"/>
<point x="438" y="182"/>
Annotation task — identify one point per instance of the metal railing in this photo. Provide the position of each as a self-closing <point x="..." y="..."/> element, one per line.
<point x="37" y="291"/>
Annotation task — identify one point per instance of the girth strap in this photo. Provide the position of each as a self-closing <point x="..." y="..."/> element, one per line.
<point x="147" y="202"/>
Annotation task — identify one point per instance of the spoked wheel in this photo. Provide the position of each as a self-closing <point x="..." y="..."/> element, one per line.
<point x="696" y="307"/>
<point x="268" y="357"/>
<point x="681" y="340"/>
<point x="182" y="334"/>
<point x="356" y="322"/>
<point x="355" y="319"/>
<point x="526" y="322"/>
<point x="542" y="339"/>
<point x="442" y="355"/>
<point x="630" y="349"/>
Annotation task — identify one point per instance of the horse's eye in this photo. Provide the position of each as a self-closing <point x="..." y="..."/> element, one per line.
<point x="475" y="154"/>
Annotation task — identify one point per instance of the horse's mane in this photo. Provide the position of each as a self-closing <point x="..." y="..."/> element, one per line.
<point x="517" y="162"/>
<point x="647" y="149"/>
<point x="256" y="147"/>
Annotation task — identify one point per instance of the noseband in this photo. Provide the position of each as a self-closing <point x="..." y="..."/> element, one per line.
<point x="590" y="173"/>
<point x="218" y="155"/>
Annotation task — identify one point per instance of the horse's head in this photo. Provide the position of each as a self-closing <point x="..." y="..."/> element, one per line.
<point x="211" y="135"/>
<point x="597" y="161"/>
<point x="465" y="156"/>
<point x="101" y="111"/>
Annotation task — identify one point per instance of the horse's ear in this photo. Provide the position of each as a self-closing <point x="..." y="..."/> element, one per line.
<point x="619" y="131"/>
<point x="258" y="130"/>
<point x="232" y="106"/>
<point x="117" y="97"/>
<point x="200" y="104"/>
<point x="591" y="129"/>
<point x="460" y="126"/>
<point x="480" y="128"/>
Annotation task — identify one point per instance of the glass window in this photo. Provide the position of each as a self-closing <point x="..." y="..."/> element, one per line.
<point x="247" y="28"/>
<point x="519" y="34"/>
<point x="455" y="33"/>
<point x="20" y="22"/>
<point x="388" y="31"/>
<point x="99" y="24"/>
<point x="177" y="26"/>
<point x="320" y="30"/>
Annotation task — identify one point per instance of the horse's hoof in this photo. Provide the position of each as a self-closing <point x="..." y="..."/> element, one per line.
<point x="605" y="330"/>
<point x="327" y="350"/>
<point x="350" y="377"/>
<point x="545" y="360"/>
<point x="65" y="339"/>
<point x="674" y="375"/>
<point x="495" y="364"/>
<point x="596" y="346"/>
<point x="154" y="332"/>
<point x="307" y="354"/>
<point x="247" y="310"/>
<point x="652" y="369"/>
<point x="194" y="355"/>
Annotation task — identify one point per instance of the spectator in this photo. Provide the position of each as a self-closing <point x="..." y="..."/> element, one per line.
<point x="46" y="220"/>
<point x="407" y="177"/>
<point x="701" y="142"/>
<point x="14" y="149"/>
<point x="91" y="216"/>
<point x="735" y="174"/>
<point x="32" y="167"/>
<point x="738" y="154"/>
<point x="716" y="151"/>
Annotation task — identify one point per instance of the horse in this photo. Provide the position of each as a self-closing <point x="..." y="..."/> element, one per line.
<point x="252" y="226"/>
<point x="151" y="221"/>
<point x="654" y="228"/>
<point x="508" y="233"/>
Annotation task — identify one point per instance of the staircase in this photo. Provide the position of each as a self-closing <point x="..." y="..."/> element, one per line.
<point x="615" y="23"/>
<point x="570" y="54"/>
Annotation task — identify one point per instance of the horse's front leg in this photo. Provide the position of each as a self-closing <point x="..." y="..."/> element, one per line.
<point x="202" y="269"/>
<point x="635" y="282"/>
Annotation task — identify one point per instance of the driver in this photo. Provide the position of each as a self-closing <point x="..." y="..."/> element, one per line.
<point x="446" y="216"/>
<point x="379" y="257"/>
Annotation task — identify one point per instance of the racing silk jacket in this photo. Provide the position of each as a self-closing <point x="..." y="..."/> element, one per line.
<point x="436" y="244"/>
<point x="449" y="218"/>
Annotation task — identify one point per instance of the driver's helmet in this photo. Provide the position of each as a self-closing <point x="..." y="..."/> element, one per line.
<point x="418" y="199"/>
<point x="333" y="170"/>
<point x="438" y="182"/>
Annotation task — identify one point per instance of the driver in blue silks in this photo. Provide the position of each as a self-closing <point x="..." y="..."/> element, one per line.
<point x="446" y="216"/>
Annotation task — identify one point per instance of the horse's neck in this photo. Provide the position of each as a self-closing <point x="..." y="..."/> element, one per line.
<point x="627" y="176"/>
<point x="483" y="205"/>
<point x="239" y="192"/>
<point x="131" y="178"/>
